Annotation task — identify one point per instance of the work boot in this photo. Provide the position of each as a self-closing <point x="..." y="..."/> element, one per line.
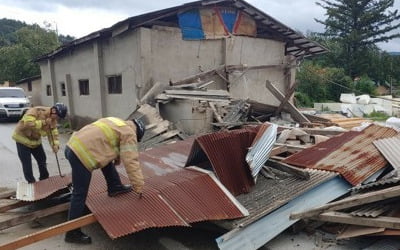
<point x="76" y="236"/>
<point x="120" y="189"/>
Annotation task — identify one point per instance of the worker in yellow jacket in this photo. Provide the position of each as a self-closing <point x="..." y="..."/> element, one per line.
<point x="102" y="144"/>
<point x="37" y="122"/>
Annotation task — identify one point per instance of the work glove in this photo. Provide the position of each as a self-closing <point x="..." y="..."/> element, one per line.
<point x="55" y="148"/>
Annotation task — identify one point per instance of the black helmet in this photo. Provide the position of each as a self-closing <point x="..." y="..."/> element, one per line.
<point x="61" y="109"/>
<point x="140" y="129"/>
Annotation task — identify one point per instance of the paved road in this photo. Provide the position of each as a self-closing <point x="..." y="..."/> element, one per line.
<point x="11" y="169"/>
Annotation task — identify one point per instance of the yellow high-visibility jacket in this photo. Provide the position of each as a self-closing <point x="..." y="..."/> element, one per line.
<point x="32" y="127"/>
<point x="105" y="140"/>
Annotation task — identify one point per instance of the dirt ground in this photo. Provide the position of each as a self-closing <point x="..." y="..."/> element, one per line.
<point x="178" y="238"/>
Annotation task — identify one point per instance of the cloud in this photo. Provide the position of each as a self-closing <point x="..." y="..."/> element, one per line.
<point x="81" y="17"/>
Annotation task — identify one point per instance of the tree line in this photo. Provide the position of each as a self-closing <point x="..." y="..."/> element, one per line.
<point x="354" y="62"/>
<point x="20" y="44"/>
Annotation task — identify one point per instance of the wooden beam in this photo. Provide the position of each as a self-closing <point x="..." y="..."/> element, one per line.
<point x="286" y="99"/>
<point x="344" y="218"/>
<point x="202" y="75"/>
<point x="215" y="112"/>
<point x="292" y="109"/>
<point x="7" y="204"/>
<point x="278" y="150"/>
<point x="351" y="201"/>
<point x="8" y="220"/>
<point x="316" y="131"/>
<point x="49" y="232"/>
<point x="289" y="169"/>
<point x="7" y="194"/>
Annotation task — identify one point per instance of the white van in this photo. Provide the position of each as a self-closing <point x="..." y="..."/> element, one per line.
<point x="13" y="102"/>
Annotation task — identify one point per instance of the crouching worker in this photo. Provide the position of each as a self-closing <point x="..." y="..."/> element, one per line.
<point x="99" y="145"/>
<point x="37" y="122"/>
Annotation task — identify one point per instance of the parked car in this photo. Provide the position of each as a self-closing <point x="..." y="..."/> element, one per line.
<point x="13" y="102"/>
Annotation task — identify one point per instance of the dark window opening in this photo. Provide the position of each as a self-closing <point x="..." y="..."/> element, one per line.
<point x="83" y="87"/>
<point x="63" y="91"/>
<point x="48" y="90"/>
<point x="114" y="84"/>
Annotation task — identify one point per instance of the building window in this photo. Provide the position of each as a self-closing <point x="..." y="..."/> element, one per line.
<point x="83" y="87"/>
<point x="29" y="86"/>
<point x="114" y="84"/>
<point x="63" y="91"/>
<point x="48" y="90"/>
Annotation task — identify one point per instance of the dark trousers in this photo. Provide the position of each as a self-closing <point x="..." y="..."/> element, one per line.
<point x="24" y="154"/>
<point x="80" y="183"/>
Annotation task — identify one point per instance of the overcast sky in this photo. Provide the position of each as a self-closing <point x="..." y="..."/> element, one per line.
<point x="81" y="17"/>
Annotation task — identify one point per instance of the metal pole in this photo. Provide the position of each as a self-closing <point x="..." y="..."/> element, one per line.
<point x="58" y="163"/>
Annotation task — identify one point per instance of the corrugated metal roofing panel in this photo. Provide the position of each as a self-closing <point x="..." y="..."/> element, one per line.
<point x="261" y="147"/>
<point x="269" y="194"/>
<point x="41" y="189"/>
<point x="358" y="159"/>
<point x="310" y="156"/>
<point x="376" y="185"/>
<point x="355" y="160"/>
<point x="226" y="151"/>
<point x="389" y="147"/>
<point x="172" y="196"/>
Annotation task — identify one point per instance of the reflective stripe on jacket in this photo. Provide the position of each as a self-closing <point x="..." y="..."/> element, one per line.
<point x="105" y="140"/>
<point x="30" y="128"/>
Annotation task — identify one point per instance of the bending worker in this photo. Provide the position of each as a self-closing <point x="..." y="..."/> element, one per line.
<point x="37" y="122"/>
<point x="102" y="144"/>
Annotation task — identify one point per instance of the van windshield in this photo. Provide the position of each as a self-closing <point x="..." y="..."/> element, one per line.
<point x="11" y="93"/>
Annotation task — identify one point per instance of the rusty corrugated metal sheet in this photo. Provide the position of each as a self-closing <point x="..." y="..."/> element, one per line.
<point x="41" y="189"/>
<point x="376" y="185"/>
<point x="226" y="151"/>
<point x="355" y="160"/>
<point x="390" y="147"/>
<point x="173" y="196"/>
<point x="310" y="156"/>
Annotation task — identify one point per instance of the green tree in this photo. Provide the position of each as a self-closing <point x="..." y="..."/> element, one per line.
<point x="357" y="25"/>
<point x="16" y="60"/>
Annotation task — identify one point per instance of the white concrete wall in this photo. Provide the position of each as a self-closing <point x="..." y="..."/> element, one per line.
<point x="145" y="56"/>
<point x="35" y="94"/>
<point x="169" y="58"/>
<point x="121" y="57"/>
<point x="255" y="52"/>
<point x="46" y="80"/>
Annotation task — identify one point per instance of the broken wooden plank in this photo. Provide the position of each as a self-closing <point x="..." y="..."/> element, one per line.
<point x="195" y="78"/>
<point x="316" y="131"/>
<point x="289" y="94"/>
<point x="8" y="220"/>
<point x="156" y="89"/>
<point x="344" y="218"/>
<point x="351" y="201"/>
<point x="7" y="194"/>
<point x="209" y="92"/>
<point x="355" y="231"/>
<point x="8" y="204"/>
<point x="215" y="112"/>
<point x="289" y="169"/>
<point x="224" y="100"/>
<point x="49" y="232"/>
<point x="292" y="109"/>
<point x="278" y="150"/>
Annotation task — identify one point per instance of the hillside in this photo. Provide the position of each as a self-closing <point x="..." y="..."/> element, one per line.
<point x="9" y="26"/>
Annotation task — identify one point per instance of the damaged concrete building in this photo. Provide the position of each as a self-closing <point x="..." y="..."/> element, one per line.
<point x="228" y="42"/>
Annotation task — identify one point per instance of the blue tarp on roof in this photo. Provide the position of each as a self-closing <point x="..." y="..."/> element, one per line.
<point x="190" y="23"/>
